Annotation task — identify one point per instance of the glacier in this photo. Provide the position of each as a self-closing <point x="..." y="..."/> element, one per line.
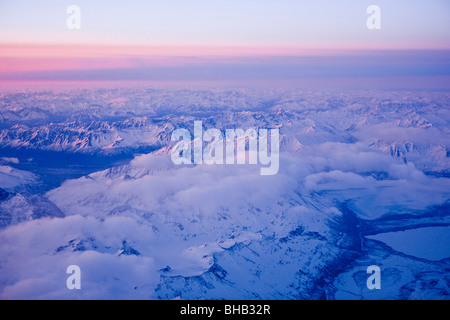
<point x="356" y="168"/>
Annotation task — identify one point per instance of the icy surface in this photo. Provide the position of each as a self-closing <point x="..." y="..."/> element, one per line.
<point x="427" y="243"/>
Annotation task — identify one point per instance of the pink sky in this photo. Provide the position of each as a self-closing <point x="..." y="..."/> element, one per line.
<point x="174" y="33"/>
<point x="32" y="57"/>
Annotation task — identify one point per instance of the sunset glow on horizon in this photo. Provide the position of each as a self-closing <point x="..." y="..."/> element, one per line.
<point x="172" y="40"/>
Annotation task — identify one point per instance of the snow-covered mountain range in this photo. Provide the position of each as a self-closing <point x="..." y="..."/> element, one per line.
<point x="357" y="170"/>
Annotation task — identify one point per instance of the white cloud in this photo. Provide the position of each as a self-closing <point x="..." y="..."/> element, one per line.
<point x="11" y="160"/>
<point x="34" y="260"/>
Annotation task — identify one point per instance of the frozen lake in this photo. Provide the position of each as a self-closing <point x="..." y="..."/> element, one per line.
<point x="432" y="243"/>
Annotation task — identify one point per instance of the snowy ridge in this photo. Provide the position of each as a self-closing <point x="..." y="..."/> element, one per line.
<point x="412" y="127"/>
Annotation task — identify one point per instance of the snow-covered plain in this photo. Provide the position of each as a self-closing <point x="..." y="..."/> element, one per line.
<point x="355" y="168"/>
